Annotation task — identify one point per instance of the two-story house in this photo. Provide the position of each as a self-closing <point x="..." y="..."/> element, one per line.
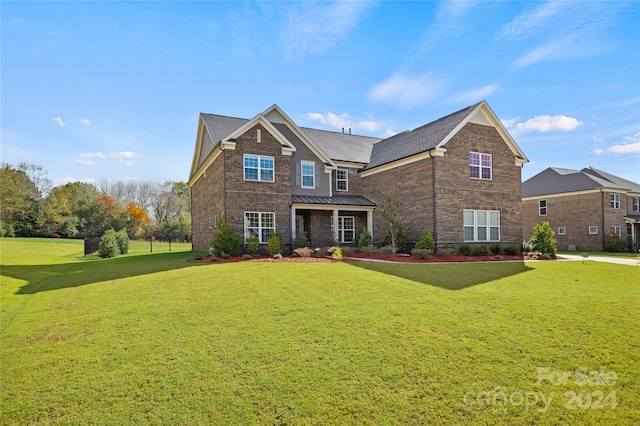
<point x="458" y="176"/>
<point x="583" y="207"/>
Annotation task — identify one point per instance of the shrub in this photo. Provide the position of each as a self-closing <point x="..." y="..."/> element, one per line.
<point x="109" y="245"/>
<point x="480" y="250"/>
<point x="512" y="250"/>
<point x="363" y="238"/>
<point x="426" y="241"/>
<point x="465" y="249"/>
<point x="422" y="253"/>
<point x="197" y="257"/>
<point x="274" y="245"/>
<point x="226" y="240"/>
<point x="247" y="257"/>
<point x="122" y="239"/>
<point x="252" y="245"/>
<point x="385" y="250"/>
<point x="615" y="243"/>
<point x="497" y="249"/>
<point x="225" y="256"/>
<point x="401" y="238"/>
<point x="303" y="251"/>
<point x="336" y="253"/>
<point x="214" y="259"/>
<point x="446" y="252"/>
<point x="369" y="250"/>
<point x="543" y="240"/>
<point x="526" y="247"/>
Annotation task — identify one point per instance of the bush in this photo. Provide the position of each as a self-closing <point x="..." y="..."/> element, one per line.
<point x="369" y="250"/>
<point x="465" y="249"/>
<point x="422" y="253"/>
<point x="526" y="247"/>
<point x="274" y="245"/>
<point x="480" y="250"/>
<point x="543" y="240"/>
<point x="108" y="245"/>
<point x="402" y="239"/>
<point x="247" y="257"/>
<point x="303" y="251"/>
<point x="123" y="241"/>
<point x="363" y="238"/>
<point x="252" y="245"/>
<point x="226" y="240"/>
<point x="497" y="249"/>
<point x="426" y="241"/>
<point x="385" y="250"/>
<point x="336" y="253"/>
<point x="512" y="250"/>
<point x="615" y="243"/>
<point x="446" y="252"/>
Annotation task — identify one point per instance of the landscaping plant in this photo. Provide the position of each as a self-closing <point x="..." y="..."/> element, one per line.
<point x="109" y="245"/>
<point x="122" y="239"/>
<point x="426" y="241"/>
<point x="543" y="240"/>
<point x="274" y="245"/>
<point x="226" y="240"/>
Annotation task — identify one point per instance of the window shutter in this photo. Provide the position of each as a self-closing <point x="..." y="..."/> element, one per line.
<point x="298" y="174"/>
<point x="317" y="178"/>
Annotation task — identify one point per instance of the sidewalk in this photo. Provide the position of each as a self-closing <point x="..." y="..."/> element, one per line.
<point x="617" y="260"/>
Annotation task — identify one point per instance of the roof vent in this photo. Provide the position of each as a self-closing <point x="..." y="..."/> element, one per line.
<point x="349" y="130"/>
<point x="343" y="130"/>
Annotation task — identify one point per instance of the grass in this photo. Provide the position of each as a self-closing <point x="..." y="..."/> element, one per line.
<point x="153" y="339"/>
<point x="601" y="253"/>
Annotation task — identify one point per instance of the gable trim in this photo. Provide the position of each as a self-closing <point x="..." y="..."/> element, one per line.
<point x="202" y="169"/>
<point x="287" y="147"/>
<point x="437" y="152"/>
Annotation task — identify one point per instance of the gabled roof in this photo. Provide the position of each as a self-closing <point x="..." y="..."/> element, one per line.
<point x="436" y="134"/>
<point x="556" y="180"/>
<point x="342" y="146"/>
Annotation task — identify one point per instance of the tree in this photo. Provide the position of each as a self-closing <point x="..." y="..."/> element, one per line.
<point x="21" y="199"/>
<point x="109" y="244"/>
<point x="426" y="241"/>
<point x="226" y="240"/>
<point x="389" y="213"/>
<point x="543" y="240"/>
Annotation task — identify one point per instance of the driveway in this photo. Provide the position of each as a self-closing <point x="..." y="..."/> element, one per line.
<point x="618" y="260"/>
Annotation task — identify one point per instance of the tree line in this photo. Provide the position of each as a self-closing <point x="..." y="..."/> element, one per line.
<point x="32" y="207"/>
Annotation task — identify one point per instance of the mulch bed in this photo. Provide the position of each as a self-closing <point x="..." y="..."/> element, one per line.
<point x="357" y="256"/>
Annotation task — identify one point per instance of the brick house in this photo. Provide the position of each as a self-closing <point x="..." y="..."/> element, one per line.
<point x="458" y="176"/>
<point x="583" y="207"/>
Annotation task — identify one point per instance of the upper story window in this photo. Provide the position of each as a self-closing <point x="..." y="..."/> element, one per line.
<point x="614" y="201"/>
<point x="480" y="165"/>
<point x="636" y="204"/>
<point x="542" y="208"/>
<point x="342" y="180"/>
<point x="308" y="169"/>
<point x="258" y="168"/>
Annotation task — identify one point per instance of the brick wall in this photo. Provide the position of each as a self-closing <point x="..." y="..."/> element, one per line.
<point x="207" y="203"/>
<point x="577" y="212"/>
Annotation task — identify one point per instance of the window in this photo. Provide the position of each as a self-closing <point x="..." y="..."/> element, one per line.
<point x="308" y="174"/>
<point x="258" y="168"/>
<point x="346" y="228"/>
<point x="480" y="165"/>
<point x="593" y="230"/>
<point x="614" y="200"/>
<point x="258" y="224"/>
<point x="616" y="230"/>
<point x="636" y="204"/>
<point x="562" y="230"/>
<point x="542" y="208"/>
<point x="342" y="180"/>
<point x="481" y="225"/>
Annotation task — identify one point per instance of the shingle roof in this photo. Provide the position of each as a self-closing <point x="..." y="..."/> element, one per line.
<point x="556" y="180"/>
<point x="342" y="146"/>
<point x="339" y="200"/>
<point x="220" y="126"/>
<point x="416" y="141"/>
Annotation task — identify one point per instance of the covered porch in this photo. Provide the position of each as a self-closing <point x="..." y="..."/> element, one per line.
<point x="633" y="227"/>
<point x="323" y="221"/>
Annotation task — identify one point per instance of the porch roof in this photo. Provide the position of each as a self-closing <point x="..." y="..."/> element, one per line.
<point x="334" y="201"/>
<point x="632" y="218"/>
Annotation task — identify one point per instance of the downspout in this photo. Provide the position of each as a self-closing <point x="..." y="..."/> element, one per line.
<point x="434" y="200"/>
<point x="602" y="215"/>
<point x="224" y="184"/>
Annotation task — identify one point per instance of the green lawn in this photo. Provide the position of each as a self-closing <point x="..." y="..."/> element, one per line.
<point x="153" y="339"/>
<point x="601" y="253"/>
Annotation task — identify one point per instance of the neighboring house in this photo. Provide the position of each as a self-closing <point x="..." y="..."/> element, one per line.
<point x="458" y="176"/>
<point x="583" y="207"/>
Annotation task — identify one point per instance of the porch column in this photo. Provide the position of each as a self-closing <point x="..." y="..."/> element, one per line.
<point x="335" y="225"/>
<point x="633" y="232"/>
<point x="370" y="223"/>
<point x="293" y="223"/>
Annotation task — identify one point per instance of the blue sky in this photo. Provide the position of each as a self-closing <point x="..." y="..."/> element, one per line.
<point x="112" y="90"/>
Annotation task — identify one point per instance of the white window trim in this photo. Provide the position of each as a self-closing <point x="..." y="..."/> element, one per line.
<point x="345" y="180"/>
<point x="636" y="204"/>
<point x="475" y="225"/>
<point x="562" y="230"/>
<point x="302" y="174"/>
<point x="616" y="229"/>
<point x="341" y="228"/>
<point x="546" y="206"/>
<point x="481" y="167"/>
<point x="260" y="227"/>
<point x="615" y="200"/>
<point x="259" y="168"/>
<point x="593" y="230"/>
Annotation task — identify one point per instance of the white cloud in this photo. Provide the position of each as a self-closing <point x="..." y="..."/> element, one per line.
<point x="530" y="21"/>
<point x="598" y="139"/>
<point x="408" y="91"/>
<point x="85" y="121"/>
<point x="343" y="121"/>
<point x="548" y="123"/>
<point x="474" y="95"/>
<point x="59" y="121"/>
<point x="85" y="162"/>
<point x="627" y="148"/>
<point x="92" y="155"/>
<point x="124" y="158"/>
<point x="509" y="123"/>
<point x="314" y="27"/>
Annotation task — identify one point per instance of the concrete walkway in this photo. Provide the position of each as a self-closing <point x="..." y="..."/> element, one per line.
<point x="617" y="260"/>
